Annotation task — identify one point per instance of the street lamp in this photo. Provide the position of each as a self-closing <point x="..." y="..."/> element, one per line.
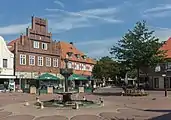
<point x="165" y="84"/>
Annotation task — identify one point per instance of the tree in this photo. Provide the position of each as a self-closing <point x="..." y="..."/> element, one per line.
<point x="105" y="68"/>
<point x="139" y="48"/>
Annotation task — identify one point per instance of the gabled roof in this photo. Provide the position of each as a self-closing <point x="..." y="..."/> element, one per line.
<point x="11" y="43"/>
<point x="167" y="47"/>
<point x="67" y="47"/>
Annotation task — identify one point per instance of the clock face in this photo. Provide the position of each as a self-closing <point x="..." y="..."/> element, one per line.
<point x="40" y="38"/>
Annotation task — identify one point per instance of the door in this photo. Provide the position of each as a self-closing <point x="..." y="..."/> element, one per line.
<point x="156" y="82"/>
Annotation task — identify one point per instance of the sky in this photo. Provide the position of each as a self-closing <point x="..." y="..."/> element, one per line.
<point x="94" y="26"/>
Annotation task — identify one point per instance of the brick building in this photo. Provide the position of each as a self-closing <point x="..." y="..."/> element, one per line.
<point x="35" y="52"/>
<point x="78" y="61"/>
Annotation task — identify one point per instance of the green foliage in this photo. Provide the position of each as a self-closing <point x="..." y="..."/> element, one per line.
<point x="139" y="48"/>
<point x="132" y="73"/>
<point x="105" y="68"/>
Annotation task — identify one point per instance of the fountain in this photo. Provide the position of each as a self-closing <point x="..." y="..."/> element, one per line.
<point x="66" y="100"/>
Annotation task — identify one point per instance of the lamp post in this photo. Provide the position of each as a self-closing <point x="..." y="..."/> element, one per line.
<point x="165" y="84"/>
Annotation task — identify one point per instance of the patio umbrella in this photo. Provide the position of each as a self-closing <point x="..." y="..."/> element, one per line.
<point x="47" y="76"/>
<point x="77" y="77"/>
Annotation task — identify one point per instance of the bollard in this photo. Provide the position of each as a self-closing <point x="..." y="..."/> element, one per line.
<point x="37" y="99"/>
<point x="60" y="98"/>
<point x="84" y="98"/>
<point x="101" y="101"/>
<point x="76" y="106"/>
<point x="41" y="105"/>
<point x="123" y="92"/>
<point x="26" y="103"/>
<point x="142" y="91"/>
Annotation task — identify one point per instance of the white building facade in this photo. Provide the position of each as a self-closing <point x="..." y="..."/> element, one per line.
<point x="6" y="62"/>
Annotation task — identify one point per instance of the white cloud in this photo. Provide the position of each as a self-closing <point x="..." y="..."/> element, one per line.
<point x="59" y="3"/>
<point x="159" y="11"/>
<point x="157" y="14"/>
<point x="162" y="33"/>
<point x="99" y="14"/>
<point x="70" y="20"/>
<point x="13" y="29"/>
<point x="97" y="48"/>
<point x="67" y="23"/>
<point x="93" y="1"/>
<point x="159" y="8"/>
<point x="100" y="11"/>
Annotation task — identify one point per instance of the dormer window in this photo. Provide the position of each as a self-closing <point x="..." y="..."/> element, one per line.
<point x="84" y="56"/>
<point x="69" y="54"/>
<point x="77" y="55"/>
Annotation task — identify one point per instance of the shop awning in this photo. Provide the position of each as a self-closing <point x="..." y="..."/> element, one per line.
<point x="77" y="77"/>
<point x="47" y="76"/>
<point x="61" y="77"/>
<point x="7" y="77"/>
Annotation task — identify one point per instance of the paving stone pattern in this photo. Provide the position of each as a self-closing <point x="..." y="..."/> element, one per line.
<point x="138" y="108"/>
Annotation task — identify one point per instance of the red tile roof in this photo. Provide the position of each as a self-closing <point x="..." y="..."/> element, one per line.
<point x="67" y="47"/>
<point x="11" y="43"/>
<point x="167" y="46"/>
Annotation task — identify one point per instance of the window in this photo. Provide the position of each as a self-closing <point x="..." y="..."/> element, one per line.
<point x="55" y="62"/>
<point x="77" y="55"/>
<point x="22" y="59"/>
<point x="168" y="66"/>
<point x="31" y="60"/>
<point x="40" y="61"/>
<point x="36" y="44"/>
<point x="44" y="46"/>
<point x="69" y="65"/>
<point x="48" y="61"/>
<point x="5" y="63"/>
<point x="77" y="66"/>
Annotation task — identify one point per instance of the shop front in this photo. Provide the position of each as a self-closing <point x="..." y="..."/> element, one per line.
<point x="7" y="83"/>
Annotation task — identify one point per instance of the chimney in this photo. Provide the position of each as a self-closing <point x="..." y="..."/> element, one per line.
<point x="33" y="22"/>
<point x="22" y="39"/>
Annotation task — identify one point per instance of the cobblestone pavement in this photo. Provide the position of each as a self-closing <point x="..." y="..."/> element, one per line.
<point x="153" y="107"/>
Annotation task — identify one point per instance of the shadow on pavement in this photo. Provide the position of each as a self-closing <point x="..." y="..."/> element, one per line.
<point x="108" y="94"/>
<point x="158" y="110"/>
<point x="162" y="117"/>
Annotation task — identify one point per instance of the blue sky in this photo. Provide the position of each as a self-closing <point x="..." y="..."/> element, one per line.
<point x="93" y="25"/>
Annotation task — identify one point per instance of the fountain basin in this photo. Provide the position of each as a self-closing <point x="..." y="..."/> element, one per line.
<point x="68" y="104"/>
